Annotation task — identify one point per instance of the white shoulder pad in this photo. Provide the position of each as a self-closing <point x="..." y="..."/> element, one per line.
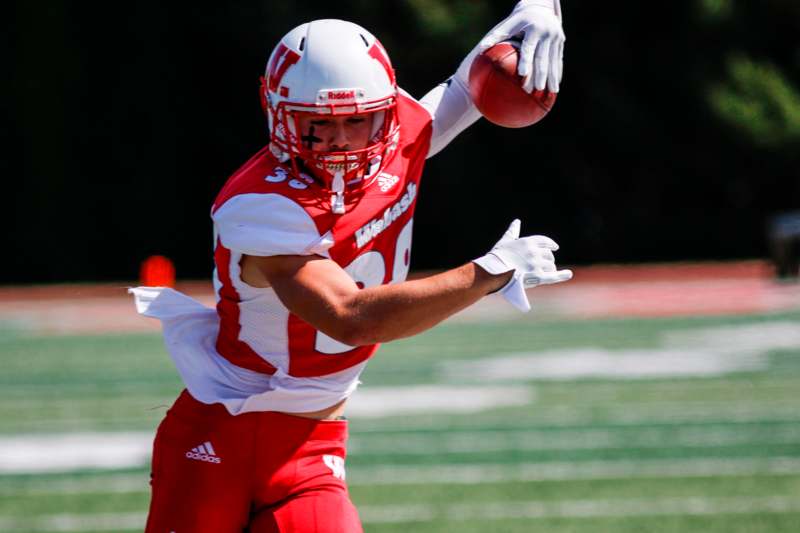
<point x="268" y="224"/>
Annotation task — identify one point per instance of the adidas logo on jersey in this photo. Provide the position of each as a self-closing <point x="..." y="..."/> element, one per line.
<point x="204" y="452"/>
<point x="387" y="181"/>
<point x="374" y="227"/>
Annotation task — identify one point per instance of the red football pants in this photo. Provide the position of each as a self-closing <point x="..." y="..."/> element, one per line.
<point x="255" y="472"/>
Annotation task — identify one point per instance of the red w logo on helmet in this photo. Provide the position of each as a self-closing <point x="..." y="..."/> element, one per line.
<point x="378" y="52"/>
<point x="283" y="59"/>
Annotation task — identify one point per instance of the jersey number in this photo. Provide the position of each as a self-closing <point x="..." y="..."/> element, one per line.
<point x="368" y="270"/>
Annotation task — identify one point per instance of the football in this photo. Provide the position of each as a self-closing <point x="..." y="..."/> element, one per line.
<point x="496" y="89"/>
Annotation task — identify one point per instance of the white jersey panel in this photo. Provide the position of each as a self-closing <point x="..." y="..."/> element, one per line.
<point x="268" y="224"/>
<point x="263" y="319"/>
<point x="190" y="333"/>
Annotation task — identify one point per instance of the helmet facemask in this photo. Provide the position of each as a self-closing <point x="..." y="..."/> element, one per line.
<point x="338" y="171"/>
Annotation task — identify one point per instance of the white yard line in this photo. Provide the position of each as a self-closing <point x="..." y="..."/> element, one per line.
<point x="579" y="509"/>
<point x="683" y="353"/>
<point x="469" y="474"/>
<point x="755" y="337"/>
<point x="79" y="451"/>
<point x="639" y="507"/>
<point x="574" y="439"/>
<point x="74" y="451"/>
<point x="593" y="362"/>
<point x="375" y="402"/>
<point x="572" y="471"/>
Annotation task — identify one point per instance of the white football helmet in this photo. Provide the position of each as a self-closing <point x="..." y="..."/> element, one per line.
<point x="331" y="67"/>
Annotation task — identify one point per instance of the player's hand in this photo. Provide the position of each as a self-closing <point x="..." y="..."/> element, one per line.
<point x="542" y="50"/>
<point x="531" y="259"/>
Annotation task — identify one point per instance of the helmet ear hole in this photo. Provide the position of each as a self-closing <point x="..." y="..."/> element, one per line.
<point x="262" y="94"/>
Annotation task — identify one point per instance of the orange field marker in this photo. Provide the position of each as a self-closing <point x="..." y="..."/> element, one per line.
<point x="157" y="271"/>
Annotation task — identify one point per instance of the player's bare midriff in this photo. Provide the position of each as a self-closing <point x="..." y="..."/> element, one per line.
<point x="334" y="412"/>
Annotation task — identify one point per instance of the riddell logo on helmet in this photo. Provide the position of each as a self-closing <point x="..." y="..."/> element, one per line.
<point x="341" y="95"/>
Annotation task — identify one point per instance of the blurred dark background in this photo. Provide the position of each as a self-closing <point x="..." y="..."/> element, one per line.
<point x="676" y="135"/>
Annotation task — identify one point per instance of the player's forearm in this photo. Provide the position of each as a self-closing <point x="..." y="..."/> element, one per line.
<point x="388" y="312"/>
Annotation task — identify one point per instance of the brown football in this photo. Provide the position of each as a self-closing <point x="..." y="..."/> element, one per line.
<point x="496" y="89"/>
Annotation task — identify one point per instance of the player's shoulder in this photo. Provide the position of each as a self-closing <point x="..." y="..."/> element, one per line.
<point x="410" y="109"/>
<point x="262" y="210"/>
<point x="415" y="120"/>
<point x="268" y="223"/>
<point x="264" y="175"/>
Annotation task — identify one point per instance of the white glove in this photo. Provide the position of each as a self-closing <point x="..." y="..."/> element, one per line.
<point x="531" y="259"/>
<point x="542" y="50"/>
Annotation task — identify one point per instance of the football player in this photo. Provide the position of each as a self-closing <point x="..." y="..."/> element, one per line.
<point x="312" y="245"/>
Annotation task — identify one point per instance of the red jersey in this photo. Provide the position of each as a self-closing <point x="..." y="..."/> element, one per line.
<point x="264" y="210"/>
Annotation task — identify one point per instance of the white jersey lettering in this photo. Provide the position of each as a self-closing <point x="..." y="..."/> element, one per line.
<point x="373" y="228"/>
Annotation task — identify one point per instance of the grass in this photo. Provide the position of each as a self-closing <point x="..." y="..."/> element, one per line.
<point x="719" y="453"/>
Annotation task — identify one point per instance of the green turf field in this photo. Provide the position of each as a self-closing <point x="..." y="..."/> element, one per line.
<point x="658" y="425"/>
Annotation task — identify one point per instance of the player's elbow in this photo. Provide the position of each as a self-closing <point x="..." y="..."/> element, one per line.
<point x="357" y="333"/>
<point x="339" y="325"/>
<point x="355" y="329"/>
<point x="355" y="337"/>
<point x="356" y="321"/>
<point x="347" y="335"/>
